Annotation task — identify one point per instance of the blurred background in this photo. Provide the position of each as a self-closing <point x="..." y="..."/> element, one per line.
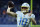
<point x="36" y="10"/>
<point x="6" y="19"/>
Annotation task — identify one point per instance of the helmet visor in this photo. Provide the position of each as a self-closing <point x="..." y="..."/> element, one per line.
<point x="24" y="7"/>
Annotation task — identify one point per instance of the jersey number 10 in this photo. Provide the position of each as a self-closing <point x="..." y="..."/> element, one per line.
<point x="23" y="21"/>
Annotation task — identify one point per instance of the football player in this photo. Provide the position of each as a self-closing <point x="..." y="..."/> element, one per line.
<point x="23" y="17"/>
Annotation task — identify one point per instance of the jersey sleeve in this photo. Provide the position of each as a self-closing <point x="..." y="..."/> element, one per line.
<point x="32" y="16"/>
<point x="18" y="12"/>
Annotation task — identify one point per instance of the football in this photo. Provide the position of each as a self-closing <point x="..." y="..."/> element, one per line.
<point x="10" y="4"/>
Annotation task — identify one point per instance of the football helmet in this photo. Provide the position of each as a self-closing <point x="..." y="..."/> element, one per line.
<point x="25" y="7"/>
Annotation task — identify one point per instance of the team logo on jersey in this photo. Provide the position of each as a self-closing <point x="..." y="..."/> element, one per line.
<point x="30" y="14"/>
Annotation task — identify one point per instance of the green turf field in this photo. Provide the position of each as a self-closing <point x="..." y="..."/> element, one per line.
<point x="34" y="25"/>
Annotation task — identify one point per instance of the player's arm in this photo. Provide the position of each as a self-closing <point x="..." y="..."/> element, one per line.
<point x="33" y="19"/>
<point x="10" y="6"/>
<point x="11" y="13"/>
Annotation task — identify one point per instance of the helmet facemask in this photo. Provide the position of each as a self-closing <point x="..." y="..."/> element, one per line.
<point x="25" y="9"/>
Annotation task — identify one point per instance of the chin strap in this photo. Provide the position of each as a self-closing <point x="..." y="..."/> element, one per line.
<point x="25" y="12"/>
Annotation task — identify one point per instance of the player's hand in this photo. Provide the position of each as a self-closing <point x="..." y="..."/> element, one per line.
<point x="10" y="4"/>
